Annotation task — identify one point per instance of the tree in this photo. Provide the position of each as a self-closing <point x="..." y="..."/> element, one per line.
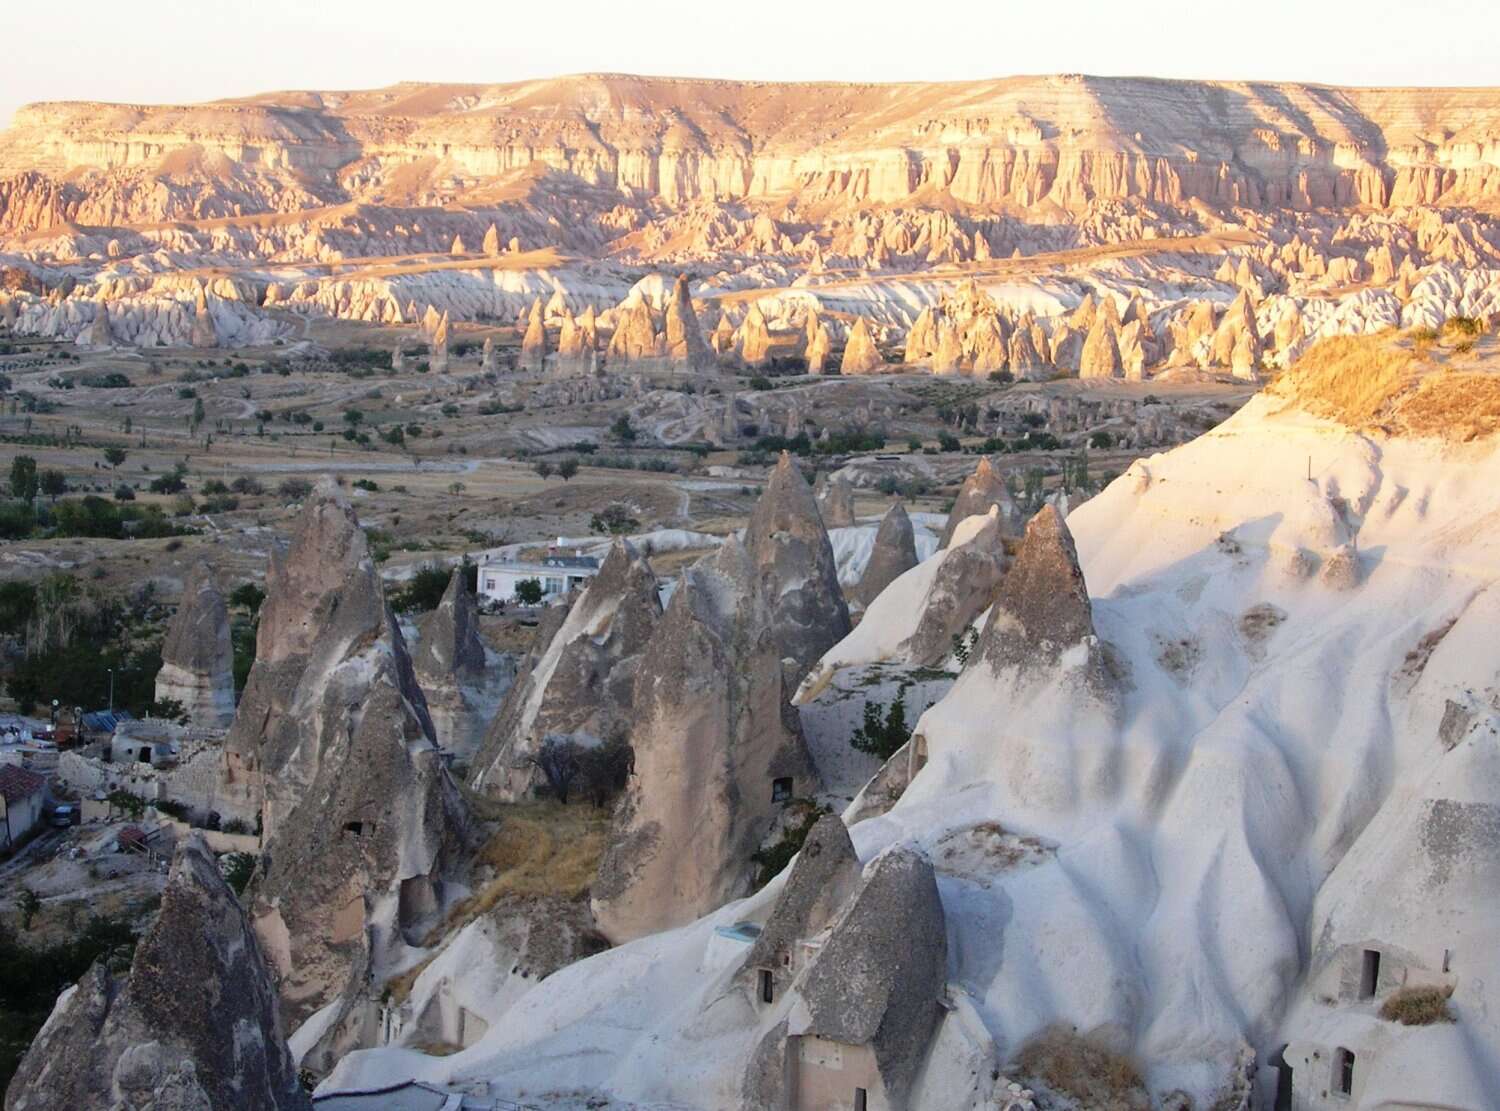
<point x="558" y="761"/>
<point x="247" y="596"/>
<point x="543" y="468"/>
<point x="622" y="429"/>
<point x="114" y="456"/>
<point x="23" y="480"/>
<point x="567" y="468"/>
<point x="529" y="592"/>
<point x="54" y="484"/>
<point x="29" y="905"/>
<point x="882" y="735"/>
<point x="605" y="769"/>
<point x="352" y="417"/>
<point x="947" y="441"/>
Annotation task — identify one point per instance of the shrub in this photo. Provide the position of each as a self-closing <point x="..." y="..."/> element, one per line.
<point x="423" y="591"/>
<point x="236" y="868"/>
<point x="622" y="429"/>
<point x="614" y="520"/>
<point x="247" y="485"/>
<point x="883" y="735"/>
<point x="168" y="484"/>
<point x="1088" y="1072"/>
<point x="114" y="380"/>
<point x="294" y="489"/>
<point x="1417" y="1006"/>
<point x="248" y="596"/>
<point x="773" y="858"/>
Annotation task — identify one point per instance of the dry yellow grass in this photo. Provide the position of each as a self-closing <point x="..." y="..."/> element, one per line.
<point x="1350" y="379"/>
<point x="541" y="849"/>
<point x="1401" y="383"/>
<point x="1418" y="1006"/>
<point x="1094" y="1076"/>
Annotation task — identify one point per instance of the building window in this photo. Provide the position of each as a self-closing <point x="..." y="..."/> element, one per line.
<point x="1343" y="1072"/>
<point x="356" y="828"/>
<point x="489" y="584"/>
<point x="860" y="1099"/>
<point x="765" y="986"/>
<point x="554" y="586"/>
<point x="781" y="789"/>
<point x="1369" y="973"/>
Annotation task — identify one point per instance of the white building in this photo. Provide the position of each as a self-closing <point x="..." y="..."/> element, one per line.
<point x="22" y="795"/>
<point x="558" y="573"/>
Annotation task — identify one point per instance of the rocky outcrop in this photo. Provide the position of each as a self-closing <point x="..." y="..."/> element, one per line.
<point x="966" y="583"/>
<point x="325" y="631"/>
<point x="1100" y="357"/>
<point x="818" y="346"/>
<point x="197" y="658"/>
<point x="534" y="343"/>
<point x="333" y="739"/>
<point x="1043" y="609"/>
<point x="861" y="356"/>
<point x="635" y="338"/>
<point x="872" y="991"/>
<point x="193" y="1024"/>
<point x="788" y="545"/>
<point x="578" y="684"/>
<point x="823" y="877"/>
<point x="716" y="746"/>
<point x="460" y="684"/>
<point x="684" y="338"/>
<point x="437" y="346"/>
<point x="752" y="341"/>
<point x="981" y="490"/>
<point x="894" y="553"/>
<point x="836" y="503"/>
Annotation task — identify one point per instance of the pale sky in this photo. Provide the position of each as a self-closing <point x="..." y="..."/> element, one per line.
<point x="177" y="51"/>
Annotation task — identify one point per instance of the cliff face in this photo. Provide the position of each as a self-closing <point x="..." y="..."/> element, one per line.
<point x="1061" y="140"/>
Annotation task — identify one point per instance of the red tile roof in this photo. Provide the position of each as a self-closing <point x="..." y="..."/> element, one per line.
<point x="17" y="783"/>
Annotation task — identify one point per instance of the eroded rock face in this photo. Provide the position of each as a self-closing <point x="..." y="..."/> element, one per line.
<point x="193" y="1025"/>
<point x="824" y="875"/>
<point x="360" y="870"/>
<point x="197" y="656"/>
<point x="965" y="585"/>
<point x="684" y="338"/>
<point x="325" y="637"/>
<point x="363" y="824"/>
<point x="981" y="490"/>
<point x="455" y="673"/>
<point x="579" y="681"/>
<point x="753" y="339"/>
<point x="894" y="553"/>
<point x="788" y="544"/>
<point x="1043" y="609"/>
<point x="714" y="739"/>
<point x="875" y="984"/>
<point x="836" y="503"/>
<point x="534" y="343"/>
<point x="861" y="356"/>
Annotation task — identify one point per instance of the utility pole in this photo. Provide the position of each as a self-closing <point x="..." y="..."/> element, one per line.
<point x="111" y="690"/>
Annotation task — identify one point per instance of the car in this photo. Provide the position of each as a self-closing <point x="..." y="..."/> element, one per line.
<point x="65" y="815"/>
